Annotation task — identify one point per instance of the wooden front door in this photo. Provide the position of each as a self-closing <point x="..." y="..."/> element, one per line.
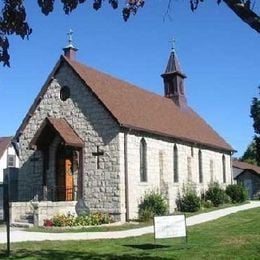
<point x="64" y="175"/>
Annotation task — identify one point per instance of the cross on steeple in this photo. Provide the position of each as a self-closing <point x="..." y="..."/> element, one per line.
<point x="173" y="43"/>
<point x="70" y="33"/>
<point x="70" y="50"/>
<point x="97" y="154"/>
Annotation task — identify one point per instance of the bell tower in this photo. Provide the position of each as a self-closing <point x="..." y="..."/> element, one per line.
<point x="173" y="79"/>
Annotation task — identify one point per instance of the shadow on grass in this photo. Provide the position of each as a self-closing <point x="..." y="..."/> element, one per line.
<point x="147" y="246"/>
<point x="58" y="254"/>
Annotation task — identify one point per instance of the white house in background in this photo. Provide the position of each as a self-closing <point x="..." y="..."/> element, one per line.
<point x="8" y="156"/>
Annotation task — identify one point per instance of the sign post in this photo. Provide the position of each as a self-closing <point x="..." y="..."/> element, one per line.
<point x="170" y="227"/>
<point x="7" y="210"/>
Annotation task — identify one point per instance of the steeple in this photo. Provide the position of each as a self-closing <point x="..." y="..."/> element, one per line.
<point x="173" y="79"/>
<point x="70" y="50"/>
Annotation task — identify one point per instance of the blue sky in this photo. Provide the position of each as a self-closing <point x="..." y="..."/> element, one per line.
<point x="218" y="52"/>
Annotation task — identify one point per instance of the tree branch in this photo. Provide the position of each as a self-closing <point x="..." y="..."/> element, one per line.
<point x="244" y="12"/>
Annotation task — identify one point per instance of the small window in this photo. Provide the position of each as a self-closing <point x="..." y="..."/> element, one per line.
<point x="189" y="170"/>
<point x="224" y="167"/>
<point x="143" y="161"/>
<point x="10" y="160"/>
<point x="175" y="164"/>
<point x="64" y="93"/>
<point x="211" y="169"/>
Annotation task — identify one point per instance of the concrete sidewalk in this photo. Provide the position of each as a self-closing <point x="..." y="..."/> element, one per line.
<point x="20" y="236"/>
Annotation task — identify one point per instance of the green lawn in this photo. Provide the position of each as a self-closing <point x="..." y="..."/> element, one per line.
<point x="236" y="236"/>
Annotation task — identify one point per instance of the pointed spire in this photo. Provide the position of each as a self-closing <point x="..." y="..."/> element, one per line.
<point x="173" y="79"/>
<point x="173" y="65"/>
<point x="70" y="50"/>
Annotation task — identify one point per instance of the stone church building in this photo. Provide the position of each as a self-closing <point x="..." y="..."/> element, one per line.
<point x="89" y="136"/>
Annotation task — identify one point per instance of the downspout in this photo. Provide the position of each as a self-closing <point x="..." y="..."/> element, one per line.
<point x="126" y="178"/>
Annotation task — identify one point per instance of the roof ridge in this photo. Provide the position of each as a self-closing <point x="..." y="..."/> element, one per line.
<point x="117" y="79"/>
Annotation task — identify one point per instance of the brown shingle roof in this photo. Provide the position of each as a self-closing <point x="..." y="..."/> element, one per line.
<point x="139" y="109"/>
<point x="246" y="166"/>
<point x="4" y="143"/>
<point x="135" y="108"/>
<point x="60" y="127"/>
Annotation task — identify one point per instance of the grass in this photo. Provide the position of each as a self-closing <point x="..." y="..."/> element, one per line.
<point x="236" y="236"/>
<point x="206" y="210"/>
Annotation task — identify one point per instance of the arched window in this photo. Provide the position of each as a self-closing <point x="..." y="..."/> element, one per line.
<point x="211" y="170"/>
<point x="175" y="164"/>
<point x="224" y="168"/>
<point x="143" y="160"/>
<point x="189" y="169"/>
<point x="200" y="167"/>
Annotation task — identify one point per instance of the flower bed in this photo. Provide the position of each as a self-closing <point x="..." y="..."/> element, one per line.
<point x="69" y="220"/>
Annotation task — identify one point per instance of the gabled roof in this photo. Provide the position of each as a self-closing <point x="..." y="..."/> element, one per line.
<point x="4" y="143"/>
<point x="135" y="108"/>
<point x="52" y="126"/>
<point x="246" y="166"/>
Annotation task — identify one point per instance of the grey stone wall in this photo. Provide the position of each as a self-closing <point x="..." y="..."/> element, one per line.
<point x="93" y="123"/>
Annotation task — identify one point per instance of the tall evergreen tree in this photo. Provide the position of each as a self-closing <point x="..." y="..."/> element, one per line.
<point x="249" y="155"/>
<point x="255" y="114"/>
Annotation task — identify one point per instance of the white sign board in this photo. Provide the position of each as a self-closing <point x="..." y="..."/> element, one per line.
<point x="169" y="226"/>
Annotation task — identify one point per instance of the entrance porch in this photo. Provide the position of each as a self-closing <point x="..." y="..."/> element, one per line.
<point x="59" y="150"/>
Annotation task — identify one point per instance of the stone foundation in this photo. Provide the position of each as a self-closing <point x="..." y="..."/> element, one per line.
<point x="41" y="210"/>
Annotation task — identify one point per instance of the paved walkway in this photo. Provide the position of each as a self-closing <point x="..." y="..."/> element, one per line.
<point x="19" y="235"/>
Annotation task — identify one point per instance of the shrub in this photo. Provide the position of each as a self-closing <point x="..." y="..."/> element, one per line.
<point x="207" y="204"/>
<point x="95" y="218"/>
<point x="257" y="196"/>
<point x="62" y="220"/>
<point x="153" y="204"/>
<point x="215" y="194"/>
<point x="146" y="214"/>
<point x="227" y="199"/>
<point x="189" y="201"/>
<point x="237" y="193"/>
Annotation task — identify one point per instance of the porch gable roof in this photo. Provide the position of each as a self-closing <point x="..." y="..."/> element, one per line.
<point x="55" y="126"/>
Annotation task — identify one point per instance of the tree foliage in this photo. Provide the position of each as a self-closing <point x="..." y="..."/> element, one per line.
<point x="249" y="155"/>
<point x="13" y="15"/>
<point x="255" y="114"/>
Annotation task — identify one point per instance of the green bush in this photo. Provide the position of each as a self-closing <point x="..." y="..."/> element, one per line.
<point x="146" y="214"/>
<point x="189" y="201"/>
<point x="227" y="199"/>
<point x="153" y="204"/>
<point x="215" y="194"/>
<point x="237" y="193"/>
<point x="256" y="196"/>
<point x="206" y="204"/>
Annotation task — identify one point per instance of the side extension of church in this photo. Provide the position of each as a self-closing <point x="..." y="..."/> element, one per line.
<point x="90" y="136"/>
